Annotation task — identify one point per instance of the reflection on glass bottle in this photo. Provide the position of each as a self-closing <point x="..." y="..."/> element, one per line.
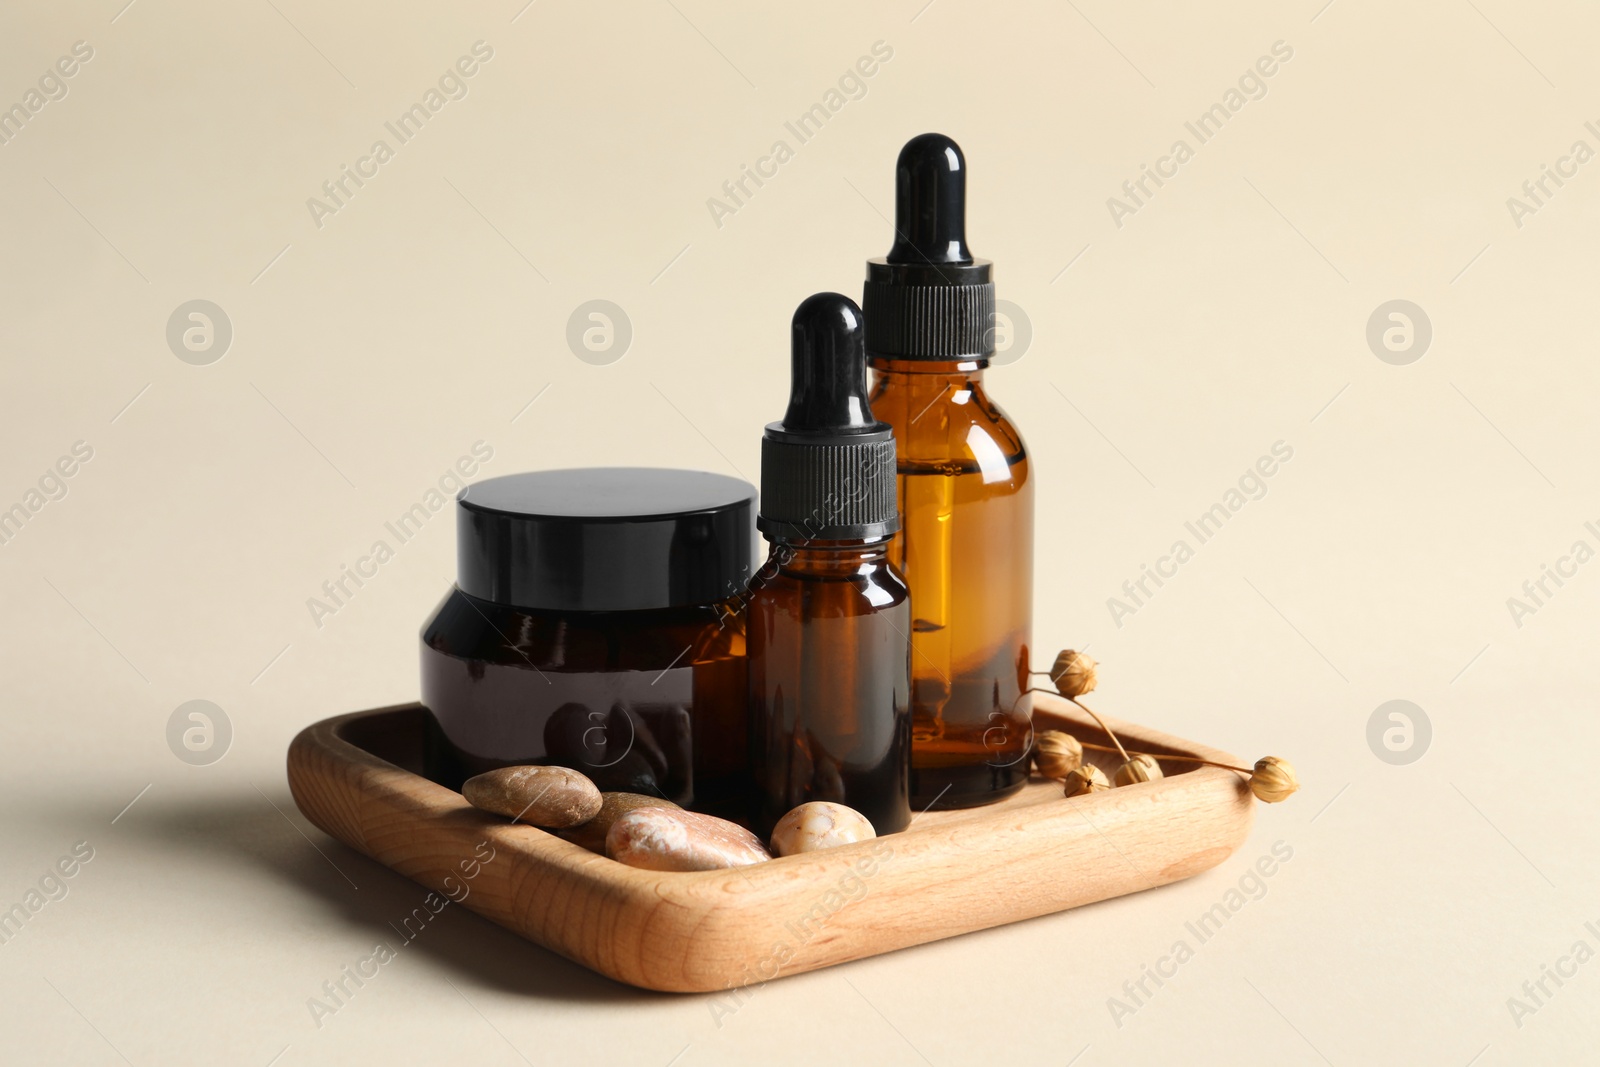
<point x="829" y="616"/>
<point x="966" y="541"/>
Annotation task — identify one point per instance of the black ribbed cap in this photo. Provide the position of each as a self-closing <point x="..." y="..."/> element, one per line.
<point x="605" y="538"/>
<point x="828" y="470"/>
<point x="929" y="299"/>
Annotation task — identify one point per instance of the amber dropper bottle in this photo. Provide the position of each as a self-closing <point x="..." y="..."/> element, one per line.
<point x="829" y="618"/>
<point x="966" y="543"/>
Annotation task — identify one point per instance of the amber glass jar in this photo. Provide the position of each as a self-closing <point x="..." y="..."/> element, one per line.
<point x="591" y="627"/>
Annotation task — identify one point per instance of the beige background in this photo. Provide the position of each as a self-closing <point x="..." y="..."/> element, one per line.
<point x="1227" y="314"/>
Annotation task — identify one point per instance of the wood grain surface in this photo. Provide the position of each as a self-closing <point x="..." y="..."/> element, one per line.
<point x="355" y="776"/>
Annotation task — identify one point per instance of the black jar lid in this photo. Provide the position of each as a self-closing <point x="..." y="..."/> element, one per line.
<point x="605" y="538"/>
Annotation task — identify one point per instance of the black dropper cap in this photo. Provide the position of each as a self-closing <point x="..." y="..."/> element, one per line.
<point x="929" y="299"/>
<point x="827" y="470"/>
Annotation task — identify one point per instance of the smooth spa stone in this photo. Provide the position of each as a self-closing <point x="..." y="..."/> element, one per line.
<point x="817" y="825"/>
<point x="661" y="839"/>
<point x="592" y="834"/>
<point x="552" y="797"/>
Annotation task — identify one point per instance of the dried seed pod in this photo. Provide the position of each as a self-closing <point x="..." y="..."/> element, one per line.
<point x="1056" y="752"/>
<point x="1073" y="673"/>
<point x="1274" y="779"/>
<point x="1086" y="778"/>
<point x="1138" y="769"/>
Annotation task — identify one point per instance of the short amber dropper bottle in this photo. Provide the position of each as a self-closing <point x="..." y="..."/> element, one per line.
<point x="966" y="543"/>
<point x="829" y="618"/>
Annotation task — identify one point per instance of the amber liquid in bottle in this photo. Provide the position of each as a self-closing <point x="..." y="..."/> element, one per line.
<point x="965" y="548"/>
<point x="830" y="682"/>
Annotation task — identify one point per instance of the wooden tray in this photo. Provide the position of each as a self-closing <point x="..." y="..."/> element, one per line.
<point x="356" y="776"/>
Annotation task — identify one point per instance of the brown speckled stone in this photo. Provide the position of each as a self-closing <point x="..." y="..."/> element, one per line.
<point x="817" y="825"/>
<point x="592" y="834"/>
<point x="660" y="839"/>
<point x="552" y="797"/>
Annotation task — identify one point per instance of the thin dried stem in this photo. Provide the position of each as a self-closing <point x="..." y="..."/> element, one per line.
<point x="1109" y="732"/>
<point x="1090" y="711"/>
<point x="1165" y="756"/>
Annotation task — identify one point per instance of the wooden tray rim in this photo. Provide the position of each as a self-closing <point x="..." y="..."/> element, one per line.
<point x="707" y="906"/>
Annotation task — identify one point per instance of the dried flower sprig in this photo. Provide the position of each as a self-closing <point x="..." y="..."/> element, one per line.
<point x="1056" y="753"/>
<point x="1140" y="768"/>
<point x="1085" y="779"/>
<point x="1273" y="779"/>
<point x="1074" y="673"/>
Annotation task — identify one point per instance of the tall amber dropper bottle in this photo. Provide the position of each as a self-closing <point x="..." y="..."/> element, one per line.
<point x="829" y="618"/>
<point x="966" y="543"/>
